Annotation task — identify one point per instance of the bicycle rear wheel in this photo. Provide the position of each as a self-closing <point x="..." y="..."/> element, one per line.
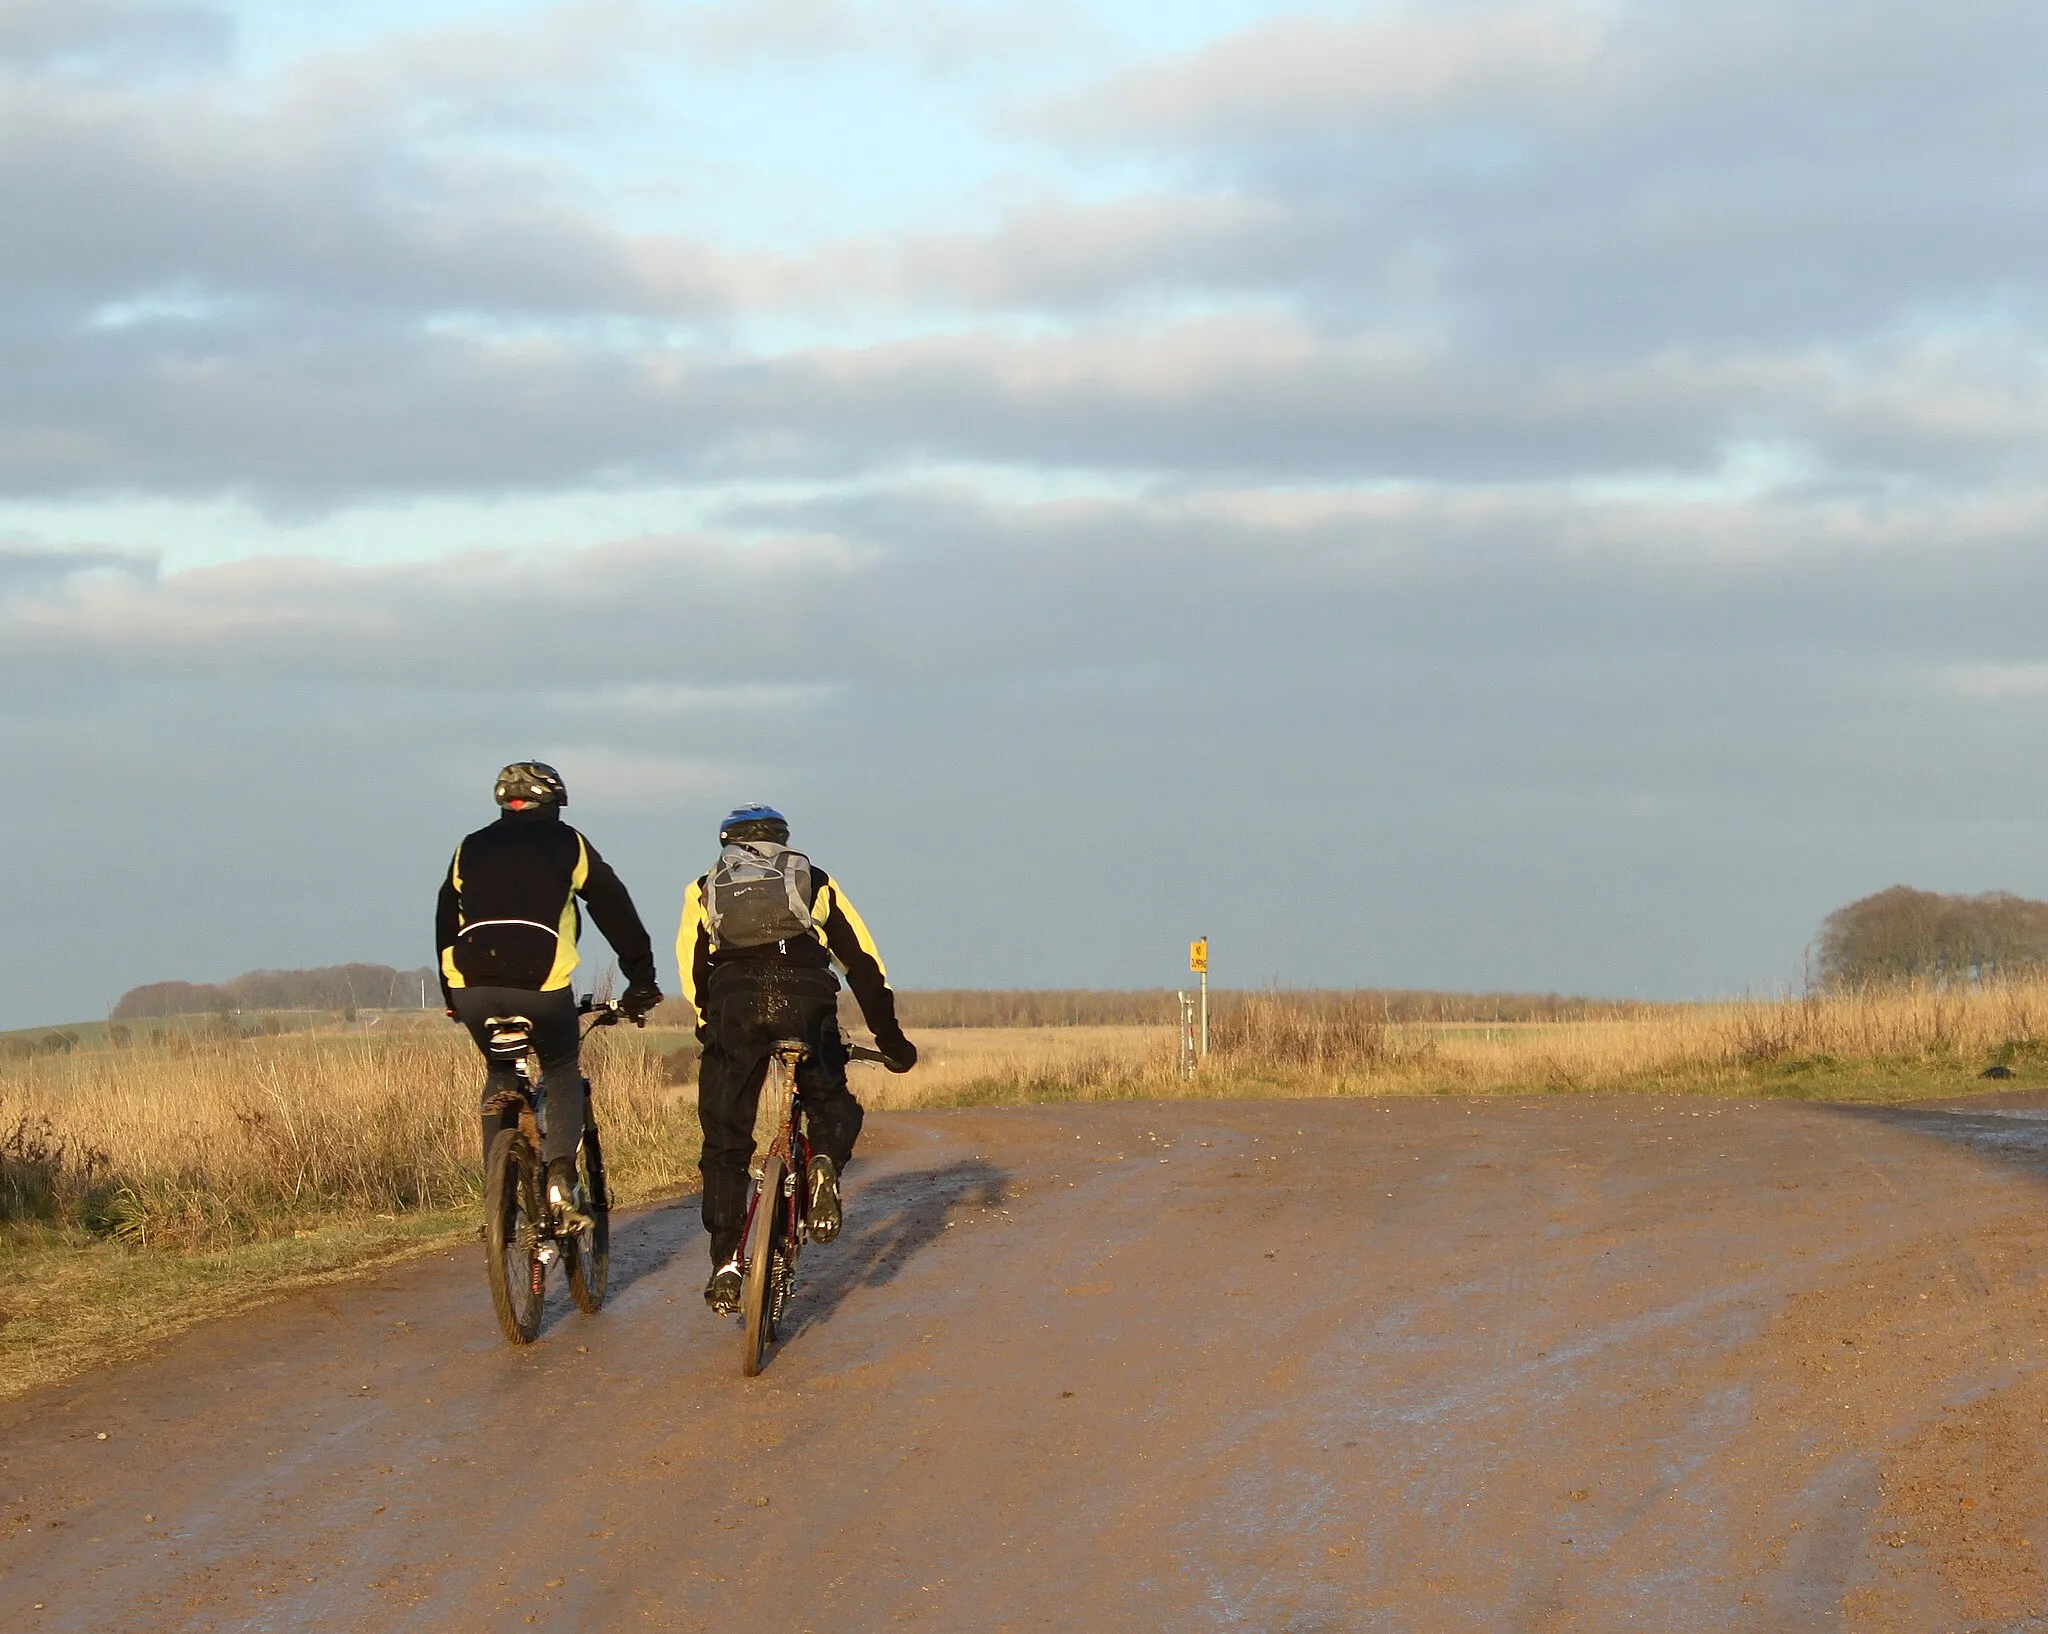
<point x="755" y="1312"/>
<point x="590" y="1252"/>
<point x="511" y="1214"/>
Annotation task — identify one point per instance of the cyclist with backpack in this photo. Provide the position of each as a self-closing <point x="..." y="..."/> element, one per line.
<point x="507" y="925"/>
<point x="761" y="931"/>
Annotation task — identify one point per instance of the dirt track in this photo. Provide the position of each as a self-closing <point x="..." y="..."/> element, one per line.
<point x="1573" y="1363"/>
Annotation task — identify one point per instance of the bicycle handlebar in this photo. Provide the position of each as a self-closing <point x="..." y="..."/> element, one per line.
<point x="608" y="1014"/>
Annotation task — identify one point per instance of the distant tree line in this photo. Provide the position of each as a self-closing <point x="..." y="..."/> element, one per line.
<point x="380" y="987"/>
<point x="333" y="987"/>
<point x="53" y="1041"/>
<point x="1908" y="935"/>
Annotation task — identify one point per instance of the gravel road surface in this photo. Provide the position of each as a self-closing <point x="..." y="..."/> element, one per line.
<point x="1419" y="1364"/>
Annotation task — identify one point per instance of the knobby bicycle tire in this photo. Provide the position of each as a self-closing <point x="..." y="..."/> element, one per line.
<point x="754" y="1287"/>
<point x="590" y="1252"/>
<point x="511" y="1207"/>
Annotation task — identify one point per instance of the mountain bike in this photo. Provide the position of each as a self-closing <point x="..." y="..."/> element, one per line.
<point x="778" y="1205"/>
<point x="523" y="1234"/>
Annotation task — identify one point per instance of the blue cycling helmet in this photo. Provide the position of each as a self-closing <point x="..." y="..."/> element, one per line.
<point x="754" y="823"/>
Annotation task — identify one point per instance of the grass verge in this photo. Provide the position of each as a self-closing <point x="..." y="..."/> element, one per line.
<point x="72" y="1299"/>
<point x="145" y="1189"/>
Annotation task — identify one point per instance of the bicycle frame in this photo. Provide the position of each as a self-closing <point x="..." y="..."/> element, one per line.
<point x="770" y="1245"/>
<point x="540" y="1240"/>
<point x="791" y="1143"/>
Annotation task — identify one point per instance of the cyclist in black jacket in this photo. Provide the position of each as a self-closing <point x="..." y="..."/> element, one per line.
<point x="750" y="992"/>
<point x="507" y="926"/>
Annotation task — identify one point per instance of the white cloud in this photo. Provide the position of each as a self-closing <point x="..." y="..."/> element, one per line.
<point x="1311" y="72"/>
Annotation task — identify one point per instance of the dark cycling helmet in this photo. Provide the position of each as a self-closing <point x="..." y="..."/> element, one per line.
<point x="754" y="823"/>
<point x="531" y="783"/>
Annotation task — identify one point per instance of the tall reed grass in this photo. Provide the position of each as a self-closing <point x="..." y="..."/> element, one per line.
<point x="206" y="1143"/>
<point x="1901" y="1030"/>
<point x="1878" y="1040"/>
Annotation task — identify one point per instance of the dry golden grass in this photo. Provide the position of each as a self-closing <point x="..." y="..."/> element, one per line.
<point x="962" y="1065"/>
<point x="1880" y="1042"/>
<point x="204" y="1146"/>
<point x="1900" y="1037"/>
<point x="144" y="1189"/>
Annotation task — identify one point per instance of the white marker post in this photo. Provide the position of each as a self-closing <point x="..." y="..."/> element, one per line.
<point x="1198" y="962"/>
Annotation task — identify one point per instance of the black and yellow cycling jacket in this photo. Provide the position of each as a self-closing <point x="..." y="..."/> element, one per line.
<point x="507" y="916"/>
<point x="837" y="933"/>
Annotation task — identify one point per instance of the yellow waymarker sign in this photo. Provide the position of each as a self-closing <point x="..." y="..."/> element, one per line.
<point x="1198" y="954"/>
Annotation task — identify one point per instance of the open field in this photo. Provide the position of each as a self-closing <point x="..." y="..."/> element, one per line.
<point x="143" y="1187"/>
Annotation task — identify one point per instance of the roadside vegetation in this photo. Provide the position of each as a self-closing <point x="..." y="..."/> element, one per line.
<point x="1887" y="1041"/>
<point x="158" y="1174"/>
<point x="1160" y="1006"/>
<point x="148" y="1186"/>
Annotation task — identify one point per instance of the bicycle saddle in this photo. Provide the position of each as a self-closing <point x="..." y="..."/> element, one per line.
<point x="508" y="1035"/>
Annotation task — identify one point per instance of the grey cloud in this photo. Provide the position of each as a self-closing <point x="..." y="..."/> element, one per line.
<point x="113" y="38"/>
<point x="1698" y="230"/>
<point x="27" y="569"/>
<point x="906" y="584"/>
<point x="1555" y="745"/>
<point x="1308" y="72"/>
<point x="1561" y="66"/>
<point x="376" y="410"/>
<point x="278" y="221"/>
<point x="1666" y="172"/>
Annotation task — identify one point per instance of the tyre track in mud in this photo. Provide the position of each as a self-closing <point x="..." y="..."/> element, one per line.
<point x="1562" y="1363"/>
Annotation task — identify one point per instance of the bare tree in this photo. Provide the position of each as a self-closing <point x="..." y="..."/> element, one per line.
<point x="1903" y="934"/>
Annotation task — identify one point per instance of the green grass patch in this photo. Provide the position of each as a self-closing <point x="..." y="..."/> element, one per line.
<point x="69" y="1299"/>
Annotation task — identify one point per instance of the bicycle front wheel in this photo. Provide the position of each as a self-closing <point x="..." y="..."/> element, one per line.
<point x="511" y="1235"/>
<point x="755" y="1311"/>
<point x="590" y="1252"/>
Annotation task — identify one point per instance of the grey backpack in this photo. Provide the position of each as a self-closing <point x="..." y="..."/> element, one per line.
<point x="756" y="893"/>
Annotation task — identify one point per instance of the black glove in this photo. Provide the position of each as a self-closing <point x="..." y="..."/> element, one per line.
<point x="640" y="998"/>
<point x="901" y="1052"/>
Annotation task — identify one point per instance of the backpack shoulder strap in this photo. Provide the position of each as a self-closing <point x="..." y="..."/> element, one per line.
<point x="711" y="892"/>
<point x="796" y="879"/>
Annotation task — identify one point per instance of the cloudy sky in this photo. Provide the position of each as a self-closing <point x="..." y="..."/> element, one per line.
<point x="1538" y="494"/>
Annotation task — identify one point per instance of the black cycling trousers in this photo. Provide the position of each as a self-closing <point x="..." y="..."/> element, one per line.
<point x="748" y="1009"/>
<point x="555" y="1039"/>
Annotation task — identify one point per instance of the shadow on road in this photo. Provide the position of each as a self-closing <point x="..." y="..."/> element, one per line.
<point x="650" y="1242"/>
<point x="641" y="1246"/>
<point x="886" y="1224"/>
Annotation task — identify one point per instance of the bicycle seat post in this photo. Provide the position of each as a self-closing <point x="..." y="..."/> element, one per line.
<point x="510" y="1039"/>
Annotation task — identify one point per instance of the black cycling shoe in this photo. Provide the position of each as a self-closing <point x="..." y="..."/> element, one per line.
<point x="722" y="1292"/>
<point x="824" y="1212"/>
<point x="566" y="1197"/>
